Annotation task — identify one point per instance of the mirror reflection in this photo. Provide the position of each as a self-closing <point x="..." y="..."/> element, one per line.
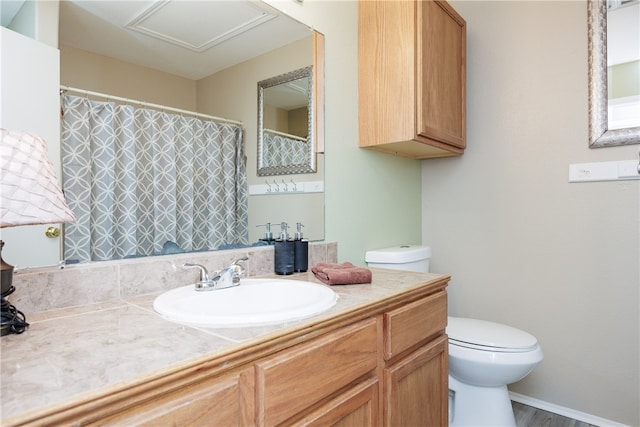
<point x="623" y="64"/>
<point x="113" y="48"/>
<point x="285" y="124"/>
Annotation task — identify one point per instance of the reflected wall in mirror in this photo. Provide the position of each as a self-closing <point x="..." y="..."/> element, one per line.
<point x="286" y="142"/>
<point x="614" y="73"/>
<point x="100" y="52"/>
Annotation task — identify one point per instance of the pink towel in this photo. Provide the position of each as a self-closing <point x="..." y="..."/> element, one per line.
<point x="341" y="274"/>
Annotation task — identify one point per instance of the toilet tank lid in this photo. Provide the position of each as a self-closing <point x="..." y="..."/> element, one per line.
<point x="488" y="334"/>
<point x="398" y="254"/>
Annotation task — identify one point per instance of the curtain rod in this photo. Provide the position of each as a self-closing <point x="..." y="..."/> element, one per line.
<point x="147" y="104"/>
<point x="286" y="135"/>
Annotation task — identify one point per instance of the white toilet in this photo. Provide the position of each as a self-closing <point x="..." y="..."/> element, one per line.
<point x="483" y="356"/>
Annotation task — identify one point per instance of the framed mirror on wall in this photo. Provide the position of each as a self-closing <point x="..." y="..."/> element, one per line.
<point x="614" y="72"/>
<point x="286" y="140"/>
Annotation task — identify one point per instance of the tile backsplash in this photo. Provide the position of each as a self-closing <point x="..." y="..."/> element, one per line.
<point x="50" y="288"/>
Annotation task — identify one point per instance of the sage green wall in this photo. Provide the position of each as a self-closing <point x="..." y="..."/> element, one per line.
<point x="372" y="200"/>
<point x="523" y="245"/>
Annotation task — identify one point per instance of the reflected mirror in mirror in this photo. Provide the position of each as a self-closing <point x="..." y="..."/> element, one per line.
<point x="623" y="64"/>
<point x="285" y="124"/>
<point x="614" y="72"/>
<point x="104" y="48"/>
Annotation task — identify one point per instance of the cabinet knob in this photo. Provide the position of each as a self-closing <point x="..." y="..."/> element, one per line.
<point x="52" y="232"/>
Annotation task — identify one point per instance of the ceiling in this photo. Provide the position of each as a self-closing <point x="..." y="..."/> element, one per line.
<point x="188" y="38"/>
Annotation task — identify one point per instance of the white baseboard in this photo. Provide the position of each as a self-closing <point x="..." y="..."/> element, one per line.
<point x="565" y="412"/>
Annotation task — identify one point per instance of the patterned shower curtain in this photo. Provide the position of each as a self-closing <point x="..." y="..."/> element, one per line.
<point x="280" y="150"/>
<point x="141" y="180"/>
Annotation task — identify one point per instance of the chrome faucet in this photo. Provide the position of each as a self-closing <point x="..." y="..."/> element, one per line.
<point x="204" y="274"/>
<point x="225" y="278"/>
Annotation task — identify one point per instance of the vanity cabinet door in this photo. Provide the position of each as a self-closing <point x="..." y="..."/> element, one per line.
<point x="293" y="382"/>
<point x="416" y="372"/>
<point x="411" y="78"/>
<point x="416" y="388"/>
<point x="221" y="401"/>
<point x="414" y="323"/>
<point x="357" y="407"/>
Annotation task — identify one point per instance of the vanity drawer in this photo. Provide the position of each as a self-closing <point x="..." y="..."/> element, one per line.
<point x="295" y="379"/>
<point x="414" y="323"/>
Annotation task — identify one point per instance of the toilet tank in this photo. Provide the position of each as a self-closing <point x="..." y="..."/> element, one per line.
<point x="405" y="257"/>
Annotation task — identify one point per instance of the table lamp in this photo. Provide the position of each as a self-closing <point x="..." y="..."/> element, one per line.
<point x="29" y="194"/>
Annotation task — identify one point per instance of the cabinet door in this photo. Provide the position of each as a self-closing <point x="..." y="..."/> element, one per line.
<point x="386" y="83"/>
<point x="416" y="389"/>
<point x="411" y="78"/>
<point x="222" y="401"/>
<point x="297" y="379"/>
<point x="413" y="324"/>
<point x="357" y="407"/>
<point x="441" y="63"/>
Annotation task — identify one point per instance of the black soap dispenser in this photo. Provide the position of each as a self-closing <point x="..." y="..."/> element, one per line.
<point x="301" y="251"/>
<point x="284" y="252"/>
<point x="268" y="236"/>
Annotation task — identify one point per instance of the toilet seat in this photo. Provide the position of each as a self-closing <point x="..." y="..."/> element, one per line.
<point x="491" y="349"/>
<point x="489" y="336"/>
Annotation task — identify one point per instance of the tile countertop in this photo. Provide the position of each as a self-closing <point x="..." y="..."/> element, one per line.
<point x="70" y="353"/>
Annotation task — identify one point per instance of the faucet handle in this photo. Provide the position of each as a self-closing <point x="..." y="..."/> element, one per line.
<point x="236" y="262"/>
<point x="204" y="274"/>
<point x="237" y="269"/>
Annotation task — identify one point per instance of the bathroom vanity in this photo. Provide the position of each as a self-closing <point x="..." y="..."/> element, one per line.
<point x="378" y="357"/>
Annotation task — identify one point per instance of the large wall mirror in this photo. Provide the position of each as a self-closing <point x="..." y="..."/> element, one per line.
<point x="286" y="141"/>
<point x="200" y="56"/>
<point x="614" y="72"/>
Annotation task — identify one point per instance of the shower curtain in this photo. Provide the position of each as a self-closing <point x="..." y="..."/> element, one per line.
<point x="280" y="150"/>
<point x="142" y="181"/>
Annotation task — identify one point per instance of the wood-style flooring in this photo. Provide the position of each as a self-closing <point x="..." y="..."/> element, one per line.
<point x="527" y="416"/>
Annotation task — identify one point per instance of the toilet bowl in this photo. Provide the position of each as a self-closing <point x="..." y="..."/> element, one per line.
<point x="484" y="357"/>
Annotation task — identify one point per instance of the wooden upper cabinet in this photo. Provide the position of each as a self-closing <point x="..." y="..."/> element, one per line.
<point x="412" y="73"/>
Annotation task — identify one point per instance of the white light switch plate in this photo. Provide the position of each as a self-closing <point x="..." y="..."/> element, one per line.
<point x="604" y="171"/>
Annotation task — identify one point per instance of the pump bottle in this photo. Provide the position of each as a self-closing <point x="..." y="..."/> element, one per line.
<point x="268" y="236"/>
<point x="284" y="252"/>
<point x="301" y="251"/>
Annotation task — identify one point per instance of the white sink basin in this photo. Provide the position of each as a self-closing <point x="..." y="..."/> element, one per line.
<point x="255" y="302"/>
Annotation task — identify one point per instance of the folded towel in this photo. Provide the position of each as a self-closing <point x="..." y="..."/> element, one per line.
<point x="341" y="274"/>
